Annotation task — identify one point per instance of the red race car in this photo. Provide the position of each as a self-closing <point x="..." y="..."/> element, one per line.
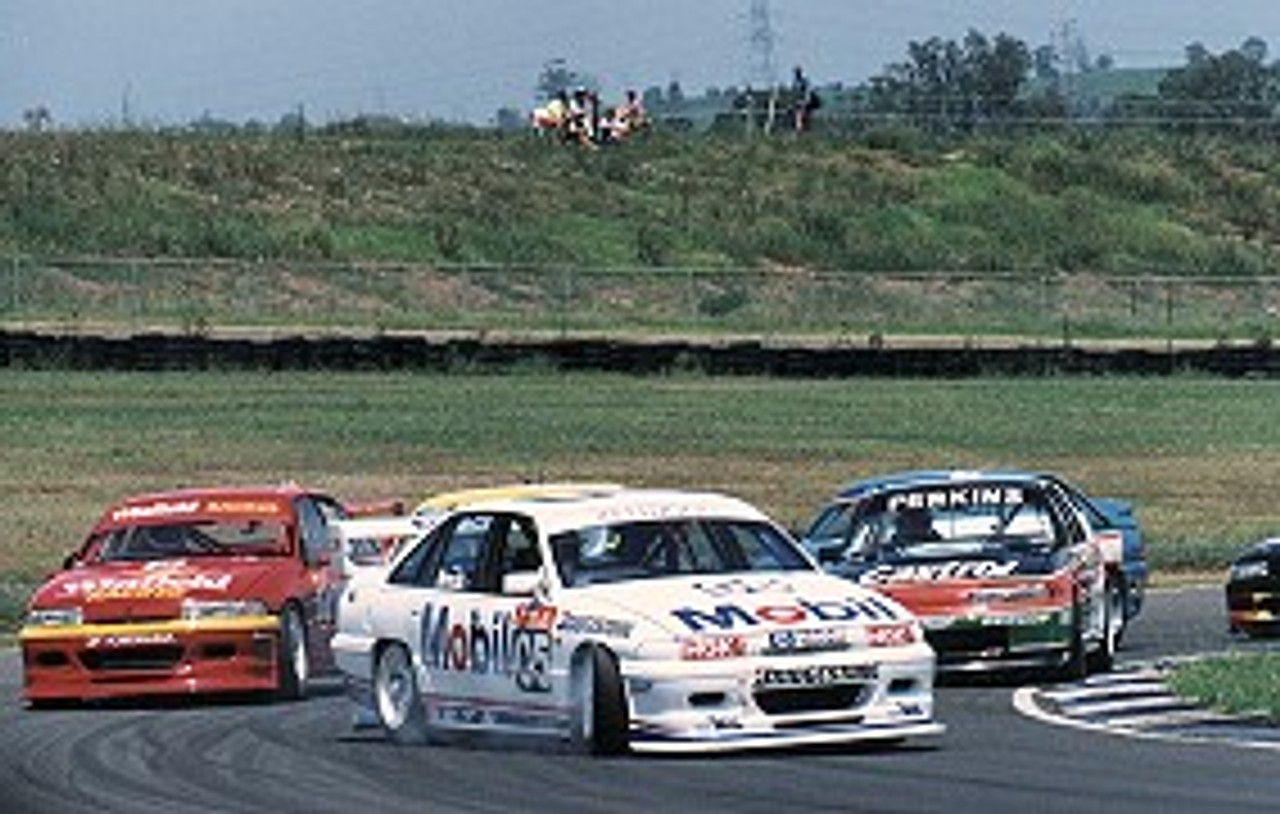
<point x="193" y="591"/>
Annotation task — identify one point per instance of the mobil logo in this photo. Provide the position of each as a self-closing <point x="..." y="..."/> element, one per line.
<point x="735" y="616"/>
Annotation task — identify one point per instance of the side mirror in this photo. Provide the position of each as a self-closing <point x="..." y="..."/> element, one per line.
<point x="522" y="583"/>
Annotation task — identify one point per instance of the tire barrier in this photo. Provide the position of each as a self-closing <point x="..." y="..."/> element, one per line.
<point x="161" y="351"/>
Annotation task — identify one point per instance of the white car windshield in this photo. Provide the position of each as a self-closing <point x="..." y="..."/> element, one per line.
<point x="938" y="523"/>
<point x="648" y="549"/>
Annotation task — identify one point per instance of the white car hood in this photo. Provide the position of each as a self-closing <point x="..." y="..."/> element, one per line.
<point x="746" y="603"/>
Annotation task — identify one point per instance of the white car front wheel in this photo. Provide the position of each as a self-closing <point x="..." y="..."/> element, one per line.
<point x="600" y="718"/>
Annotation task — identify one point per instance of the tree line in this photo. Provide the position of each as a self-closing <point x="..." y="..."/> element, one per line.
<point x="1235" y="89"/>
<point x="980" y="80"/>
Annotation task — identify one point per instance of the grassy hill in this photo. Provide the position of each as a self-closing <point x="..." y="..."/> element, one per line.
<point x="1084" y="232"/>
<point x="1102" y="202"/>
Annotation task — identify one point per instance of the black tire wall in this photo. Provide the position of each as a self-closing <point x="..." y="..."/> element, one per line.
<point x="157" y="351"/>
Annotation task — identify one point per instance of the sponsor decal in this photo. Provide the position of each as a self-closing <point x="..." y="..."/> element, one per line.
<point x="535" y="616"/>
<point x="1030" y="592"/>
<point x="173" y="508"/>
<point x="814" y="675"/>
<point x="731" y="616"/>
<point x="161" y="508"/>
<point x="164" y="565"/>
<point x="996" y="620"/>
<point x="938" y="571"/>
<point x="817" y="640"/>
<point x="448" y="713"/>
<point x="492" y="645"/>
<point x="526" y="719"/>
<point x="709" y="648"/>
<point x="130" y="640"/>
<point x="460" y="714"/>
<point x="1018" y="620"/>
<point x="743" y="587"/>
<point x="897" y="635"/>
<point x="268" y="508"/>
<point x="595" y="626"/>
<point x="154" y="585"/>
<point x="645" y="511"/>
<point x="957" y="497"/>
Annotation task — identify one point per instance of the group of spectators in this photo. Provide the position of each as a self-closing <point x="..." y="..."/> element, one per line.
<point x="580" y="118"/>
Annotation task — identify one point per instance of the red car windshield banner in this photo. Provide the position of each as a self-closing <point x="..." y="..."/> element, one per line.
<point x="199" y="507"/>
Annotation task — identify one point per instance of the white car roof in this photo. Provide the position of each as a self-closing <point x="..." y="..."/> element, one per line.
<point x="381" y="527"/>
<point x="554" y="514"/>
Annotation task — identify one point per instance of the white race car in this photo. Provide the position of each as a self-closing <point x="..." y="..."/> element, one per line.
<point x="635" y="619"/>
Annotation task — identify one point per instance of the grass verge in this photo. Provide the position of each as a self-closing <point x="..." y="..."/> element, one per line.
<point x="1238" y="684"/>
<point x="1198" y="456"/>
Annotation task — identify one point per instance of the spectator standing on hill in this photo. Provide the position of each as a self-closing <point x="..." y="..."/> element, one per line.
<point x="804" y="100"/>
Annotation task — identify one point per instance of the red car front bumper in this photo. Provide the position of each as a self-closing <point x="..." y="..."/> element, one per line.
<point x="97" y="661"/>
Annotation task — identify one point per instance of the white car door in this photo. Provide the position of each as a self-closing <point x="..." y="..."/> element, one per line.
<point x="483" y="645"/>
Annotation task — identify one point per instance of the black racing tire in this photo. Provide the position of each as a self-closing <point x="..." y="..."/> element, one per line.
<point x="293" y="657"/>
<point x="600" y="717"/>
<point x="1261" y="632"/>
<point x="396" y="696"/>
<point x="54" y="703"/>
<point x="1122" y="600"/>
<point x="1103" y="656"/>
<point x="1076" y="664"/>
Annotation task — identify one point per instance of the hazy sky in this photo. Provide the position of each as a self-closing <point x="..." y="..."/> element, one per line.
<point x="93" y="62"/>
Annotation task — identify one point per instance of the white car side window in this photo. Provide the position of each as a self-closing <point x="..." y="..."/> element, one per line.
<point x="462" y="558"/>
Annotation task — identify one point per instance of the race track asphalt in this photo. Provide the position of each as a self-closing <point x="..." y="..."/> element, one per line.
<point x="304" y="757"/>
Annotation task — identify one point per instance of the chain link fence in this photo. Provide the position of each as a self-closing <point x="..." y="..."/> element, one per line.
<point x="199" y="295"/>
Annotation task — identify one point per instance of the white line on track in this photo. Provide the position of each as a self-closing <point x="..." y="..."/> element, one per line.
<point x="1025" y="701"/>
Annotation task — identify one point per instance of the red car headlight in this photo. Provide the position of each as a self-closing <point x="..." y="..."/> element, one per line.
<point x="194" y="609"/>
<point x="55" y="617"/>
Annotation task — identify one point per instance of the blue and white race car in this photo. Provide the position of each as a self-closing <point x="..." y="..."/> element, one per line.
<point x="649" y="620"/>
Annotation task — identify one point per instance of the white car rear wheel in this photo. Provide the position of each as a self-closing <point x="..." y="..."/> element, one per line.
<point x="396" y="696"/>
